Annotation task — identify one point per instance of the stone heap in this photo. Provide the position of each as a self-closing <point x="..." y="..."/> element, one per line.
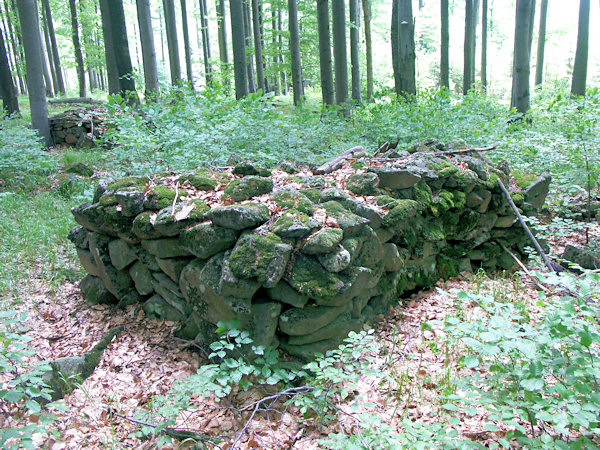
<point x="299" y="259"/>
<point x="77" y="128"/>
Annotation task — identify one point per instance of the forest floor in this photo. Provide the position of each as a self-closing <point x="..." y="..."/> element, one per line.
<point x="415" y="362"/>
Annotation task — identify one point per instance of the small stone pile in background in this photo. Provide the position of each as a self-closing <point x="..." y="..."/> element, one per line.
<point x="299" y="259"/>
<point x="77" y="128"/>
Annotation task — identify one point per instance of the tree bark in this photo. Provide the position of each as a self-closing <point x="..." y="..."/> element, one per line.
<point x="327" y="91"/>
<point x="258" y="53"/>
<point x="172" y="42"/>
<point x="249" y="46"/>
<point x="186" y="43"/>
<point x="581" y="53"/>
<point x="60" y="83"/>
<point x="109" y="49"/>
<point x="222" y="35"/>
<point x="48" y="49"/>
<point x="484" y="36"/>
<point x="366" y="5"/>
<point x="539" y="65"/>
<point x="338" y="13"/>
<point x="471" y="15"/>
<point x="238" y="42"/>
<point x="12" y="49"/>
<point x="77" y="48"/>
<point x="520" y="88"/>
<point x="45" y="64"/>
<point x="444" y="46"/>
<point x="354" y="51"/>
<point x="406" y="57"/>
<point x="148" y="51"/>
<point x="30" y="33"/>
<point x="394" y="36"/>
<point x="283" y="74"/>
<point x="8" y="90"/>
<point x="121" y="51"/>
<point x="297" y="81"/>
<point x="205" y="41"/>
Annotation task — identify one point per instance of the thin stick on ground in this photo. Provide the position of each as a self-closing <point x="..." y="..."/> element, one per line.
<point x="535" y="281"/>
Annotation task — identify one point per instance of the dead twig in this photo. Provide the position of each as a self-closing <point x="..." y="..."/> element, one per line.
<point x="534" y="279"/>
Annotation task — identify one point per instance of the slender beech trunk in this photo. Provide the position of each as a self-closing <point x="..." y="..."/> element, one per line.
<point x="121" y="50"/>
<point x="205" y="41"/>
<point x="354" y="50"/>
<point x="77" y="48"/>
<point x="366" y="4"/>
<point x="60" y="83"/>
<point x="284" y="84"/>
<point x="327" y="91"/>
<point x="394" y="36"/>
<point x="46" y="41"/>
<point x="297" y="81"/>
<point x="162" y="37"/>
<point x="186" y="43"/>
<point x="520" y="87"/>
<point x="30" y="36"/>
<point x="406" y="50"/>
<point x="45" y="60"/>
<point x="484" y="36"/>
<point x="338" y="12"/>
<point x="539" y="65"/>
<point x="148" y="51"/>
<point x="258" y="53"/>
<point x="112" y="73"/>
<point x="581" y="53"/>
<point x="8" y="91"/>
<point x="471" y="9"/>
<point x="222" y="35"/>
<point x="17" y="45"/>
<point x="444" y="46"/>
<point x="249" y="46"/>
<point x="172" y="43"/>
<point x="238" y="42"/>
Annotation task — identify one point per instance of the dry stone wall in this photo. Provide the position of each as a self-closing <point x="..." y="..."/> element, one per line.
<point x="299" y="259"/>
<point x="77" y="128"/>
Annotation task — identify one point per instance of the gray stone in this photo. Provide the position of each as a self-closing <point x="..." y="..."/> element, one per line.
<point x="392" y="261"/>
<point x="536" y="192"/>
<point x="292" y="225"/>
<point x="349" y="222"/>
<point x="475" y="164"/>
<point x="89" y="216"/>
<point x="100" y="188"/>
<point x="505" y="221"/>
<point x="121" y="254"/>
<point x="284" y="293"/>
<point x="157" y="307"/>
<point x="338" y="329"/>
<point x="363" y="183"/>
<point x="326" y="240"/>
<point x="148" y="259"/>
<point x="248" y="187"/>
<point x="176" y="300"/>
<point x="80" y="168"/>
<point x="396" y="178"/>
<point x="239" y="217"/>
<point x="334" y="194"/>
<point x="79" y="236"/>
<point x="172" y="266"/>
<point x="371" y="250"/>
<point x="87" y="261"/>
<point x="118" y="282"/>
<point x="479" y="200"/>
<point x="335" y="261"/>
<point x="168" y="223"/>
<point x="165" y="248"/>
<point x="262" y="257"/>
<point x="353" y="245"/>
<point x="142" y="278"/>
<point x="361" y="209"/>
<point x="94" y="292"/>
<point x="307" y="352"/>
<point x="230" y="285"/>
<point x="131" y="201"/>
<point x="262" y="325"/>
<point x="301" y="321"/>
<point x="205" y="239"/>
<point x="358" y="304"/>
<point x="580" y="256"/>
<point x="166" y="284"/>
<point x="384" y="234"/>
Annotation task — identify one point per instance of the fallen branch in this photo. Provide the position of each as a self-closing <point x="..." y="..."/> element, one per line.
<point x="536" y="244"/>
<point x="520" y="263"/>
<point x="87" y="100"/>
<point x="384" y="148"/>
<point x="336" y="163"/>
<point x="445" y="152"/>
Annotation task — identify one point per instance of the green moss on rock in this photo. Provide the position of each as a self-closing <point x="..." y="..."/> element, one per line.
<point x="400" y="213"/>
<point x="248" y="187"/>
<point x="159" y="197"/>
<point x="363" y="183"/>
<point x="200" y="180"/>
<point x="289" y="198"/>
<point x="127" y="182"/>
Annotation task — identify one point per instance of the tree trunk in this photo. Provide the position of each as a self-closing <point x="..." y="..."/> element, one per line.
<point x="45" y="65"/>
<point x="109" y="51"/>
<point x="366" y="4"/>
<point x="205" y="41"/>
<point x="471" y="15"/>
<point x="444" y="46"/>
<point x="484" y="36"/>
<point x="238" y="42"/>
<point x="520" y="88"/>
<point x="30" y="33"/>
<point x="148" y="51"/>
<point x="60" y="83"/>
<point x="297" y="81"/>
<point x="249" y="46"/>
<point x="121" y="51"/>
<point x="539" y="65"/>
<point x="354" y="50"/>
<point x="325" y="52"/>
<point x="222" y="34"/>
<point x="406" y="50"/>
<point x="77" y="48"/>
<point x="186" y="43"/>
<point x="581" y="53"/>
<point x="172" y="43"/>
<point x="283" y="75"/>
<point x="48" y="48"/>
<point x="394" y="36"/>
<point x="338" y="13"/>
<point x="8" y="91"/>
<point x="258" y="53"/>
<point x="11" y="48"/>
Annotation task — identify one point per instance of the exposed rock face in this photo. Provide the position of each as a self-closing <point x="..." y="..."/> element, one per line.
<point x="299" y="260"/>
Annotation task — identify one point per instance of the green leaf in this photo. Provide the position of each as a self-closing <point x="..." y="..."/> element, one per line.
<point x="471" y="362"/>
<point x="585" y="339"/>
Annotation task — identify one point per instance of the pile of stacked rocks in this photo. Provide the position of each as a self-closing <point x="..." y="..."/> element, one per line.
<point x="299" y="259"/>
<point x="77" y="128"/>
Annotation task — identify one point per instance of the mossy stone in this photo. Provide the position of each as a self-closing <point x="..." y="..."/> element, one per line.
<point x="231" y="285"/>
<point x="371" y="250"/>
<point x="335" y="194"/>
<point x="250" y="168"/>
<point x="131" y="200"/>
<point x="239" y="217"/>
<point x="206" y="239"/>
<point x="200" y="180"/>
<point x="392" y="260"/>
<point x="157" y="307"/>
<point x="127" y="182"/>
<point x="248" y="187"/>
<point x="338" y="328"/>
<point x="363" y="183"/>
<point x="115" y="221"/>
<point x="291" y="225"/>
<point x="143" y="226"/>
<point x="385" y="200"/>
<point x="335" y="261"/>
<point x="363" y="210"/>
<point x="401" y="213"/>
<point x="326" y="240"/>
<point x="349" y="222"/>
<point x="421" y="193"/>
<point x="290" y="198"/>
<point x="94" y="292"/>
<point x="307" y="320"/>
<point x="262" y="257"/>
<point x="171" y="221"/>
<point x="159" y="197"/>
<point x="121" y="254"/>
<point x="165" y="248"/>
<point x="312" y="194"/>
<point x="284" y="293"/>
